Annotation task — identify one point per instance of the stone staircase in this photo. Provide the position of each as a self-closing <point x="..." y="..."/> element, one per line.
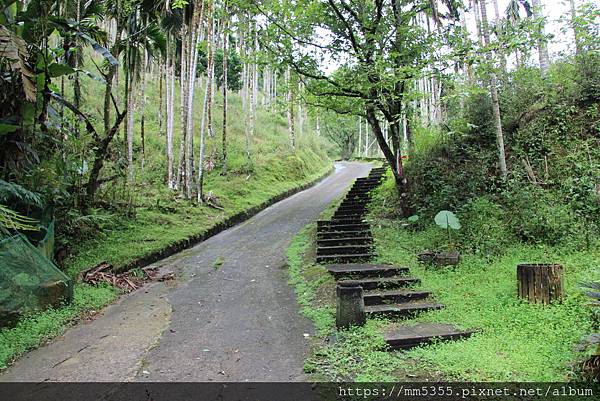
<point x="346" y="237"/>
<point x="345" y="245"/>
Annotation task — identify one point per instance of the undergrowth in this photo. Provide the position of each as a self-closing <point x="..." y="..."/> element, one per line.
<point x="32" y="331"/>
<point x="517" y="341"/>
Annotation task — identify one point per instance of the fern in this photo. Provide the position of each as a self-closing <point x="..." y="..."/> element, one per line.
<point x="11" y="220"/>
<point x="10" y="192"/>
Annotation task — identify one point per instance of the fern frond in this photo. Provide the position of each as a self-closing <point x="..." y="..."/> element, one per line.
<point x="10" y="191"/>
<point x="11" y="220"/>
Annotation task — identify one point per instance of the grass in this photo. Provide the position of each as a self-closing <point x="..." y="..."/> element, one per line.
<point x="33" y="331"/>
<point x="308" y="279"/>
<point x="153" y="228"/>
<point x="516" y="341"/>
<point x="159" y="217"/>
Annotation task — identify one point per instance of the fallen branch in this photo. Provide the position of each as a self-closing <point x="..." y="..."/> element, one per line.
<point x="127" y="282"/>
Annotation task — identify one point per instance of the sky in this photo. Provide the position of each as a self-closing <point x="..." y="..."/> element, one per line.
<point x="553" y="10"/>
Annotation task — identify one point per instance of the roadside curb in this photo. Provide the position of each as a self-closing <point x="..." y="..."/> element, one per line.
<point x="229" y="222"/>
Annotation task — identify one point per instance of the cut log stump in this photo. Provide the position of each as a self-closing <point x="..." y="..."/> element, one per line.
<point x="540" y="283"/>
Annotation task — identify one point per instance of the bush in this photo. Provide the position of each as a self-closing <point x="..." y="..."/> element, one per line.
<point x="538" y="216"/>
<point x="485" y="230"/>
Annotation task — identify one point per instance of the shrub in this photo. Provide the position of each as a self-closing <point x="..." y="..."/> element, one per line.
<point x="538" y="216"/>
<point x="485" y="230"/>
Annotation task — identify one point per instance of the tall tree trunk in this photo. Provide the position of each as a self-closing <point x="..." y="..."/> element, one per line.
<point x="130" y="99"/>
<point x="254" y="100"/>
<point x="143" y="108"/>
<point x="200" y="164"/>
<point x="575" y="28"/>
<point x="208" y="98"/>
<point x="191" y="66"/>
<point x="542" y="45"/>
<point x="224" y="84"/>
<point x="501" y="55"/>
<point x="170" y="113"/>
<point x="110" y="77"/>
<point x="183" y="102"/>
<point x="290" y="108"/>
<point x="466" y="65"/>
<point x="475" y="9"/>
<point x="494" y="95"/>
<point x="76" y="81"/>
<point x="161" y="95"/>
<point x="359" y="136"/>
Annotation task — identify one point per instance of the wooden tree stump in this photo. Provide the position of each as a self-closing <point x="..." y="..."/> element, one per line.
<point x="350" y="305"/>
<point x="540" y="283"/>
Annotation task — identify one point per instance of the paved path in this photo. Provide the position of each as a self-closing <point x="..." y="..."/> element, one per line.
<point x="239" y="322"/>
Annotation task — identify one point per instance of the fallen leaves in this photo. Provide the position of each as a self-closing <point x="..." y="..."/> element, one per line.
<point x="127" y="281"/>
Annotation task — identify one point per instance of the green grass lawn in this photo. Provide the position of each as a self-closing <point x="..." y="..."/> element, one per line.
<point x="518" y="341"/>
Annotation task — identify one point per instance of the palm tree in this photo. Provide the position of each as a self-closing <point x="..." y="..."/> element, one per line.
<point x="542" y="45"/>
<point x="144" y="38"/>
<point x="494" y="94"/>
<point x="574" y="26"/>
<point x="224" y="84"/>
<point x="532" y="10"/>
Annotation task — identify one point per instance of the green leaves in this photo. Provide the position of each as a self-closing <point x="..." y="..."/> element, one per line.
<point x="105" y="53"/>
<point x="7" y="128"/>
<point x="58" y="69"/>
<point x="13" y="49"/>
<point x="9" y="219"/>
<point x="446" y="219"/>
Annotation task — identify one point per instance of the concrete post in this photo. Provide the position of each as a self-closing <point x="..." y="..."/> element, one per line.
<point x="350" y="305"/>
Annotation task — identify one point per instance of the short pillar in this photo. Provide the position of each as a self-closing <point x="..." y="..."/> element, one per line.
<point x="540" y="283"/>
<point x="350" y="305"/>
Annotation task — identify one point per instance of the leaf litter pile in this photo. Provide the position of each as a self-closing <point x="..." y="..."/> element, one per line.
<point x="128" y="281"/>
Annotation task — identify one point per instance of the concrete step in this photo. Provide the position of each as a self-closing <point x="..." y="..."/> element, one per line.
<point x="393" y="296"/>
<point x="333" y="227"/>
<point x="345" y="241"/>
<point x="348" y="215"/>
<point x="352" y="216"/>
<point x="342" y="220"/>
<point x="401" y="309"/>
<point x="347" y="220"/>
<point x="350" y="212"/>
<point x="360" y="195"/>
<point x="344" y="249"/>
<point x="354" y="203"/>
<point x="358" y="198"/>
<point x="384" y="283"/>
<point x="343" y="234"/>
<point x="350" y="258"/>
<point x="359" y="191"/>
<point x="405" y="337"/>
<point x="368" y="180"/>
<point x="365" y="270"/>
<point x="359" y="208"/>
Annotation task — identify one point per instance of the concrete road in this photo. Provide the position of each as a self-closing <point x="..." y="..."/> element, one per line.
<point x="229" y="316"/>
